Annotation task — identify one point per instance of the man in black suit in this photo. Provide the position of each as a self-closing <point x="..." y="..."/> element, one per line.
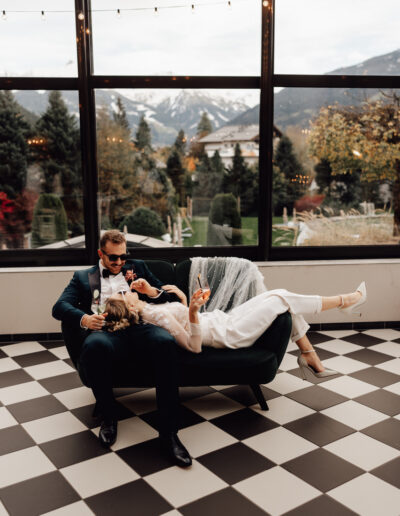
<point x="96" y="353"/>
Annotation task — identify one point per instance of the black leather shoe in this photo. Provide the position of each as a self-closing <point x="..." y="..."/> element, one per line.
<point x="108" y="432"/>
<point x="174" y="449"/>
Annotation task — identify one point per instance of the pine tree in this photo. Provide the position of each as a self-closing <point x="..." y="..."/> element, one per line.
<point x="143" y="135"/>
<point x="14" y="148"/>
<point x="204" y="127"/>
<point x="239" y="178"/>
<point x="177" y="174"/>
<point x="120" y="116"/>
<point x="59" y="156"/>
<point x="180" y="142"/>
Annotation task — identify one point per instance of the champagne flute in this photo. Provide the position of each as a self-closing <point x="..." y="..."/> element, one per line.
<point x="205" y="287"/>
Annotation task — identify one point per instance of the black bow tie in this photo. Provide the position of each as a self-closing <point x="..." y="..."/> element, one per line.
<point x="107" y="273"/>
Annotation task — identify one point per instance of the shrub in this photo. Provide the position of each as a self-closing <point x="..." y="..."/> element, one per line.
<point x="144" y="221"/>
<point x="309" y="202"/>
<point x="224" y="222"/>
<point x="49" y="222"/>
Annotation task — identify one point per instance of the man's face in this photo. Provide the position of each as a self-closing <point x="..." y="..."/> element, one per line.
<point x="114" y="266"/>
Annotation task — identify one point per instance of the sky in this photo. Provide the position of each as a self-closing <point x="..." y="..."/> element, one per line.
<point x="311" y="36"/>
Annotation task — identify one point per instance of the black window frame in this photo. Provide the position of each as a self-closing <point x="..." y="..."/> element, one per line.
<point x="86" y="83"/>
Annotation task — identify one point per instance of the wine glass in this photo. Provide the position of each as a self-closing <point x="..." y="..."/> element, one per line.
<point x="205" y="287"/>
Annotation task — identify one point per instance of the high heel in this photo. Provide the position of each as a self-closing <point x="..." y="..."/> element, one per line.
<point x="362" y="288"/>
<point x="304" y="368"/>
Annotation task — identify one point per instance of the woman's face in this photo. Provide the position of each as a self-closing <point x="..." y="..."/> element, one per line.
<point x="130" y="298"/>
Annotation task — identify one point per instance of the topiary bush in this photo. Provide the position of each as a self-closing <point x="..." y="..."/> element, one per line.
<point x="49" y="223"/>
<point x="224" y="222"/>
<point x="144" y="221"/>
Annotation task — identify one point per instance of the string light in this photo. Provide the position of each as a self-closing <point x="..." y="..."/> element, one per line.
<point x="81" y="16"/>
<point x="4" y="16"/>
<point x="229" y="4"/>
<point x="118" y="13"/>
<point x="192" y="8"/>
<point x="156" y="11"/>
<point x="265" y="3"/>
<point x="43" y="16"/>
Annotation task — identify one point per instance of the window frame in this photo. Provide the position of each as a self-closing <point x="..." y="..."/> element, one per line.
<point x="86" y="83"/>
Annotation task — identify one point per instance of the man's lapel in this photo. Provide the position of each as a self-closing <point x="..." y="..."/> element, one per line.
<point x="94" y="280"/>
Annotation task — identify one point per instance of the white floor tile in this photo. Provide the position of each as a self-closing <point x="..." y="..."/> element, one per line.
<point x="285" y="383"/>
<point x="54" y="427"/>
<point x="213" y="405"/>
<point x="6" y="418"/>
<point x="345" y="365"/>
<point x="22" y="348"/>
<point x="140" y="402"/>
<point x="23" y="464"/>
<point x="363" y="451"/>
<point x="292" y="346"/>
<point x="220" y="387"/>
<point x="369" y="496"/>
<point x="276" y="490"/>
<point x="338" y="334"/>
<point x="349" y="387"/>
<point x="283" y="410"/>
<point x="74" y="398"/>
<point x="60" y="352"/>
<point x="392" y="366"/>
<point x="395" y="388"/>
<point x="3" y="511"/>
<point x="22" y="392"/>
<point x="289" y="362"/>
<point x="180" y="486"/>
<point x="131" y="431"/>
<point x="56" y="368"/>
<point x="204" y="438"/>
<point x="385" y="333"/>
<point x="8" y="364"/>
<point x="99" y="474"/>
<point x="340" y="347"/>
<point x="354" y="414"/>
<point x="389" y="348"/>
<point x="279" y="445"/>
<point x="74" y="509"/>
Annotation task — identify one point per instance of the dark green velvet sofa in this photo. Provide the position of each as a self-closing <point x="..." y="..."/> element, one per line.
<point x="251" y="366"/>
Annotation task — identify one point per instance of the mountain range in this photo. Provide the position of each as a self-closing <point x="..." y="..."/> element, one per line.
<point x="168" y="111"/>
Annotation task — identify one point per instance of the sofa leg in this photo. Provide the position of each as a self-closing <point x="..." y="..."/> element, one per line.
<point x="259" y="396"/>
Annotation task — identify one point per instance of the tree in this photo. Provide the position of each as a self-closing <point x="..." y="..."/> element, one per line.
<point x="204" y="127"/>
<point x="362" y="138"/>
<point x="144" y="221"/>
<point x="143" y="135"/>
<point x="59" y="157"/>
<point x="239" y="178"/>
<point x="180" y="142"/>
<point x="14" y="149"/>
<point x="224" y="222"/>
<point x="177" y="174"/>
<point x="49" y="222"/>
<point x="287" y="162"/>
<point x="120" y="115"/>
<point x="279" y="191"/>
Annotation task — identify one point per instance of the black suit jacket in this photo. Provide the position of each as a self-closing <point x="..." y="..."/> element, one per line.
<point x="76" y="300"/>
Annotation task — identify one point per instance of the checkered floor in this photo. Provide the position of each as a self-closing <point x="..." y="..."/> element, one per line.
<point x="324" y="448"/>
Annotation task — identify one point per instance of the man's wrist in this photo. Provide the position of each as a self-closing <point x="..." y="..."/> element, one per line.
<point x="82" y="323"/>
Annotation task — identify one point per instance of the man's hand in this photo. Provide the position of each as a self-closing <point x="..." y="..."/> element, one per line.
<point x="173" y="289"/>
<point x="94" y="322"/>
<point x="143" y="287"/>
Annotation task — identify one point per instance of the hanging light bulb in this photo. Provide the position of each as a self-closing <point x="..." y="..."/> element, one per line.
<point x="156" y="13"/>
<point x="118" y="13"/>
<point x="192" y="8"/>
<point x="265" y="3"/>
<point x="229" y="4"/>
<point x="81" y="16"/>
<point x="43" y="16"/>
<point x="4" y="16"/>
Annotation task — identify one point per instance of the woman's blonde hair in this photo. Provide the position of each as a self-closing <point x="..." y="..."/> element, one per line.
<point x="119" y="316"/>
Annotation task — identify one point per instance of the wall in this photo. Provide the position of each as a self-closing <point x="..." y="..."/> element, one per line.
<point x="27" y="294"/>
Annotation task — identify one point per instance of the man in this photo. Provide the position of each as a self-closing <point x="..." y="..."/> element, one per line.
<point x="96" y="353"/>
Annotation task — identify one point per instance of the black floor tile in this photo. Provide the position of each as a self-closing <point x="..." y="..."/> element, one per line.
<point x="190" y="393"/>
<point x="317" y="397"/>
<point x="2" y="354"/>
<point x="244" y="423"/>
<point x="361" y="339"/>
<point x="14" y="438"/>
<point x="187" y="418"/>
<point x="60" y="383"/>
<point x="317" y="338"/>
<point x="38" y="495"/>
<point x="376" y="376"/>
<point x="244" y="395"/>
<point x="383" y="401"/>
<point x="35" y="409"/>
<point x="369" y="356"/>
<point x="387" y="431"/>
<point x="322" y="469"/>
<point x="389" y="472"/>
<point x="50" y="344"/>
<point x="133" y="499"/>
<point x="227" y="501"/>
<point x="321" y="506"/>
<point x="319" y="429"/>
<point x="235" y="463"/>
<point x="73" y="449"/>
<point x="14" y="377"/>
<point x="145" y="458"/>
<point x="31" y="359"/>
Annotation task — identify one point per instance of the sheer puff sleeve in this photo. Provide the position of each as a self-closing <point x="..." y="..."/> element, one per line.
<point x="187" y="335"/>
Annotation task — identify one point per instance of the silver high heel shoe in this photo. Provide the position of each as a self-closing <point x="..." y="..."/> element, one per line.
<point x="304" y="367"/>
<point x="362" y="288"/>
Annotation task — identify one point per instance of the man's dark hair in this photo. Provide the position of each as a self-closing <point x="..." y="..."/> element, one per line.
<point x="114" y="236"/>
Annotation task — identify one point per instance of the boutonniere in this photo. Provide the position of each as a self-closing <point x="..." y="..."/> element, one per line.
<point x="96" y="294"/>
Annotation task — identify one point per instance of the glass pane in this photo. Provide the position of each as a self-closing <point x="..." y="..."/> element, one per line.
<point x="36" y="45"/>
<point x="212" y="39"/>
<point x="336" y="172"/>
<point x="337" y="37"/>
<point x="179" y="168"/>
<point x="40" y="170"/>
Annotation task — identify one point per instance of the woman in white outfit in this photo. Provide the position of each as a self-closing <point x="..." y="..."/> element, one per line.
<point x="239" y="328"/>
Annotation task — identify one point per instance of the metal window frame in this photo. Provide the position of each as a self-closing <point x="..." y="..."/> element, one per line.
<point x="86" y="83"/>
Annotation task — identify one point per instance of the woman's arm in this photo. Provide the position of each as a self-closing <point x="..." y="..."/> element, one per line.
<point x="173" y="289"/>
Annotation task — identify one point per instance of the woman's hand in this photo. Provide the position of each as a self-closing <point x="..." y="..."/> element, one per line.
<point x="143" y="287"/>
<point x="198" y="300"/>
<point x="173" y="289"/>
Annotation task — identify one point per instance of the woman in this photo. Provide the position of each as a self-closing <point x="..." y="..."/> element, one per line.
<point x="241" y="327"/>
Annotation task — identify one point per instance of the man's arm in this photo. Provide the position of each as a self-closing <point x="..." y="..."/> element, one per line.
<point x="164" y="296"/>
<point x="66" y="308"/>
